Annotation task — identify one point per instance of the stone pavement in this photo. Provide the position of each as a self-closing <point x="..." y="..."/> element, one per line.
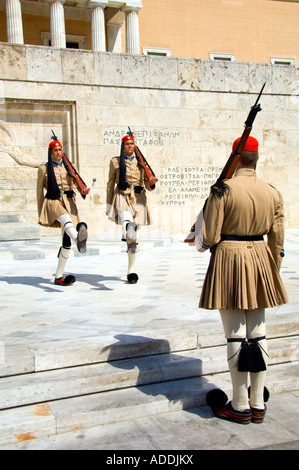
<point x="35" y="312"/>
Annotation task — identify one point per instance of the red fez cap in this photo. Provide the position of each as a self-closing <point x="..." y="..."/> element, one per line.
<point x="251" y="145"/>
<point x="54" y="144"/>
<point x="127" y="138"/>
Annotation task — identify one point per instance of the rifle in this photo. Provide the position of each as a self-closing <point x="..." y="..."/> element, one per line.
<point x="218" y="188"/>
<point x="232" y="162"/>
<point x="147" y="169"/>
<point x="83" y="189"/>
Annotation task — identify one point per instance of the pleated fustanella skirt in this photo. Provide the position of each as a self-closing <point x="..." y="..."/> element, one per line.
<point x="242" y="275"/>
<point x="130" y="201"/>
<point x="52" y="209"/>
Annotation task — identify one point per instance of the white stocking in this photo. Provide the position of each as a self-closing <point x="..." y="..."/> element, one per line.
<point x="250" y="324"/>
<point x="256" y="328"/>
<point x="234" y="325"/>
<point x="125" y="217"/>
<point x="63" y="256"/>
<point x="68" y="226"/>
<point x="132" y="255"/>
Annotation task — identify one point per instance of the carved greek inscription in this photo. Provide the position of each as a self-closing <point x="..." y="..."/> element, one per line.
<point x="143" y="137"/>
<point x="183" y="185"/>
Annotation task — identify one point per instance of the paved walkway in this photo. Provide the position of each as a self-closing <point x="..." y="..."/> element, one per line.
<point x="101" y="303"/>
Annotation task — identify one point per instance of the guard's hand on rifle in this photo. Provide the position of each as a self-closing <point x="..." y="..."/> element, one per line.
<point x="85" y="191"/>
<point x="191" y="236"/>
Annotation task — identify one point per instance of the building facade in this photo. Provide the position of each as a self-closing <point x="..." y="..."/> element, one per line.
<point x="185" y="113"/>
<point x="263" y="31"/>
<point x="90" y="25"/>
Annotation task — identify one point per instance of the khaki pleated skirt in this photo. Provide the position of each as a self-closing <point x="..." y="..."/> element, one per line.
<point x="242" y="275"/>
<point x="128" y="200"/>
<point x="52" y="209"/>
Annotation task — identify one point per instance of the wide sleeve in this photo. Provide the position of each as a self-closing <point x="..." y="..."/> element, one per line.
<point x="144" y="177"/>
<point x="276" y="233"/>
<point x="213" y="220"/>
<point x="73" y="180"/>
<point x="111" y="183"/>
<point x="146" y="183"/>
<point x="40" y="184"/>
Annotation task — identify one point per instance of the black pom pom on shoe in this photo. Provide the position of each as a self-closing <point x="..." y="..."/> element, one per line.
<point x="266" y="394"/>
<point x="216" y="399"/>
<point x="132" y="278"/>
<point x="65" y="281"/>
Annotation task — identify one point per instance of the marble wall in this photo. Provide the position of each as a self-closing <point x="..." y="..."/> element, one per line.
<point x="185" y="114"/>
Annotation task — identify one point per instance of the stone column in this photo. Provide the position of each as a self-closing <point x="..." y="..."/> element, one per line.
<point x="14" y="22"/>
<point x="114" y="37"/>
<point x="58" y="38"/>
<point x="132" y="30"/>
<point x="98" y="36"/>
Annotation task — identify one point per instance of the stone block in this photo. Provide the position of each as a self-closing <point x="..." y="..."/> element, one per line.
<point x="285" y="80"/>
<point x="43" y="64"/>
<point x="11" y="231"/>
<point x="108" y="69"/>
<point x="163" y="72"/>
<point x="213" y="73"/>
<point x="258" y="75"/>
<point x="135" y="70"/>
<point x="17" y="359"/>
<point x="189" y="74"/>
<point x="149" y="400"/>
<point x="26" y="423"/>
<point x="77" y="66"/>
<point x="233" y="70"/>
<point x="13" y="62"/>
<point x="100" y="349"/>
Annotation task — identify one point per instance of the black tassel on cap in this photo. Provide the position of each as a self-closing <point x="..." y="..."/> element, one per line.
<point x="122" y="170"/>
<point x="53" y="192"/>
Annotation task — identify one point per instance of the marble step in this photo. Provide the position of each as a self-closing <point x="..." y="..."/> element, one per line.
<point x="23" y="242"/>
<point x="60" y="416"/>
<point x="13" y="231"/>
<point x="44" y="386"/>
<point x="22" y="359"/>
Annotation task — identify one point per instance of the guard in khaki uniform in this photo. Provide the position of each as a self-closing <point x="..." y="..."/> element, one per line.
<point x="57" y="207"/>
<point x="243" y="279"/>
<point x="126" y="199"/>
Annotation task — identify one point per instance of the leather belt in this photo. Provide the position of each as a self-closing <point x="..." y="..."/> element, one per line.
<point x="68" y="194"/>
<point x="242" y="238"/>
<point x="137" y="189"/>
